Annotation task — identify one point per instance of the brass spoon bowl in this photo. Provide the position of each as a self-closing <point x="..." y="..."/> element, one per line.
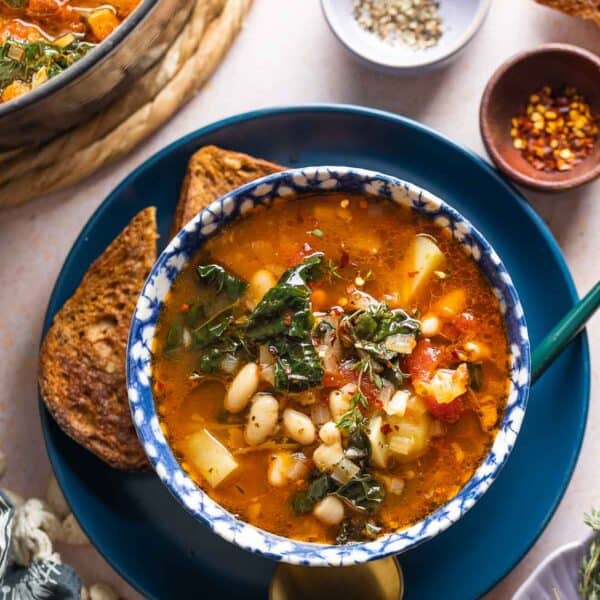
<point x="376" y="580"/>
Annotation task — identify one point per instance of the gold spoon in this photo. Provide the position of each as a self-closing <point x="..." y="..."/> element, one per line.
<point x="377" y="580"/>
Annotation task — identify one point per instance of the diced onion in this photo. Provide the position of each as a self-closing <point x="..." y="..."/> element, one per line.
<point x="403" y="343"/>
<point x="298" y="468"/>
<point x="319" y="413"/>
<point x="230" y="363"/>
<point x="387" y="391"/>
<point x="344" y="471"/>
<point x="400" y="444"/>
<point x="397" y="404"/>
<point x="186" y="338"/>
<point x="329" y="358"/>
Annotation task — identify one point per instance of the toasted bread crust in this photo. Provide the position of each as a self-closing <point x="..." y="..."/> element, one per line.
<point x="586" y="9"/>
<point x="213" y="172"/>
<point x="82" y="359"/>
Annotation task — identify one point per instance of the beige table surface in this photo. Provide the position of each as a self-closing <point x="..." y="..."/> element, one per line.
<point x="286" y="55"/>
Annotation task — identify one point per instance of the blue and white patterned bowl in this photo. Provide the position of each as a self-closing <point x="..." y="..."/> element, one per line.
<point x="186" y="244"/>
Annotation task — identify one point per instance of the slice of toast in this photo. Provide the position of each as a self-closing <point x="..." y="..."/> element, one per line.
<point x="213" y="172"/>
<point x="82" y="359"/>
<point x="586" y="9"/>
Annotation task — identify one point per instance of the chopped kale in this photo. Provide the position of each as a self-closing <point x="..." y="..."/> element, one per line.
<point x="364" y="493"/>
<point x="20" y="60"/>
<point x="304" y="501"/>
<point x="283" y="319"/>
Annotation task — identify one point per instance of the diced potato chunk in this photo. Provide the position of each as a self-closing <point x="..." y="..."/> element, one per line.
<point x="102" y="22"/>
<point x="403" y="343"/>
<point x="446" y="385"/>
<point x="210" y="457"/>
<point x="409" y="438"/>
<point x="422" y="258"/>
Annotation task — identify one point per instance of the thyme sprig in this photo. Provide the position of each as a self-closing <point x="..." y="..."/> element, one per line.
<point x="589" y="584"/>
<point x="353" y="419"/>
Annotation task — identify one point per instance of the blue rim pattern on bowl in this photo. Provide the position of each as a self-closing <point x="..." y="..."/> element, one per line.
<point x="184" y="246"/>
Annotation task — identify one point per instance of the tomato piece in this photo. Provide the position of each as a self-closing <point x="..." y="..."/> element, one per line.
<point x="54" y="15"/>
<point x="450" y="413"/>
<point x="423" y="361"/>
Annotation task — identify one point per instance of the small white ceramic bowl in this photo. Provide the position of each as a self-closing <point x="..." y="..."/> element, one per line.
<point x="461" y="19"/>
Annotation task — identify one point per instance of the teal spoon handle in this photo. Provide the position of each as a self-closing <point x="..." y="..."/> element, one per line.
<point x="564" y="332"/>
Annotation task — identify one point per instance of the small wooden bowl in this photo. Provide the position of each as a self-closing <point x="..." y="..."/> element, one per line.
<point x="506" y="96"/>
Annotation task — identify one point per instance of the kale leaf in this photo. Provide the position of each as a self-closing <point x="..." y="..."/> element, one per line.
<point x="363" y="493"/>
<point x="209" y="316"/>
<point x="304" y="501"/>
<point x="367" y="331"/>
<point x="283" y="320"/>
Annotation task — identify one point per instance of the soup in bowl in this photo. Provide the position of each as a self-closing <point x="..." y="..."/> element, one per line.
<point x="328" y="365"/>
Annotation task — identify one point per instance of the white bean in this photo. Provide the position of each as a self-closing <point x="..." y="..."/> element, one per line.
<point x="242" y="388"/>
<point x="262" y="419"/>
<point x="430" y="325"/>
<point x="330" y="434"/>
<point x="327" y="456"/>
<point x="278" y="468"/>
<point x="299" y="426"/>
<point x="260" y="283"/>
<point x="477" y="350"/>
<point x="339" y="403"/>
<point x="330" y="510"/>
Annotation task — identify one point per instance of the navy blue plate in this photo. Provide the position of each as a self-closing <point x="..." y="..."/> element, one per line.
<point x="144" y="533"/>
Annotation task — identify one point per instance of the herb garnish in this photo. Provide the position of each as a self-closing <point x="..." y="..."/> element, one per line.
<point x="317" y="233"/>
<point x="371" y="333"/>
<point x="589" y="584"/>
<point x="332" y="270"/>
<point x="353" y="419"/>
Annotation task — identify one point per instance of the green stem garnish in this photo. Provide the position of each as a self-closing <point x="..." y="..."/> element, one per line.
<point x="589" y="585"/>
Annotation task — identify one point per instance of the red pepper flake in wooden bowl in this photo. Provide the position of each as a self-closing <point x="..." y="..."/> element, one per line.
<point x="557" y="131"/>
